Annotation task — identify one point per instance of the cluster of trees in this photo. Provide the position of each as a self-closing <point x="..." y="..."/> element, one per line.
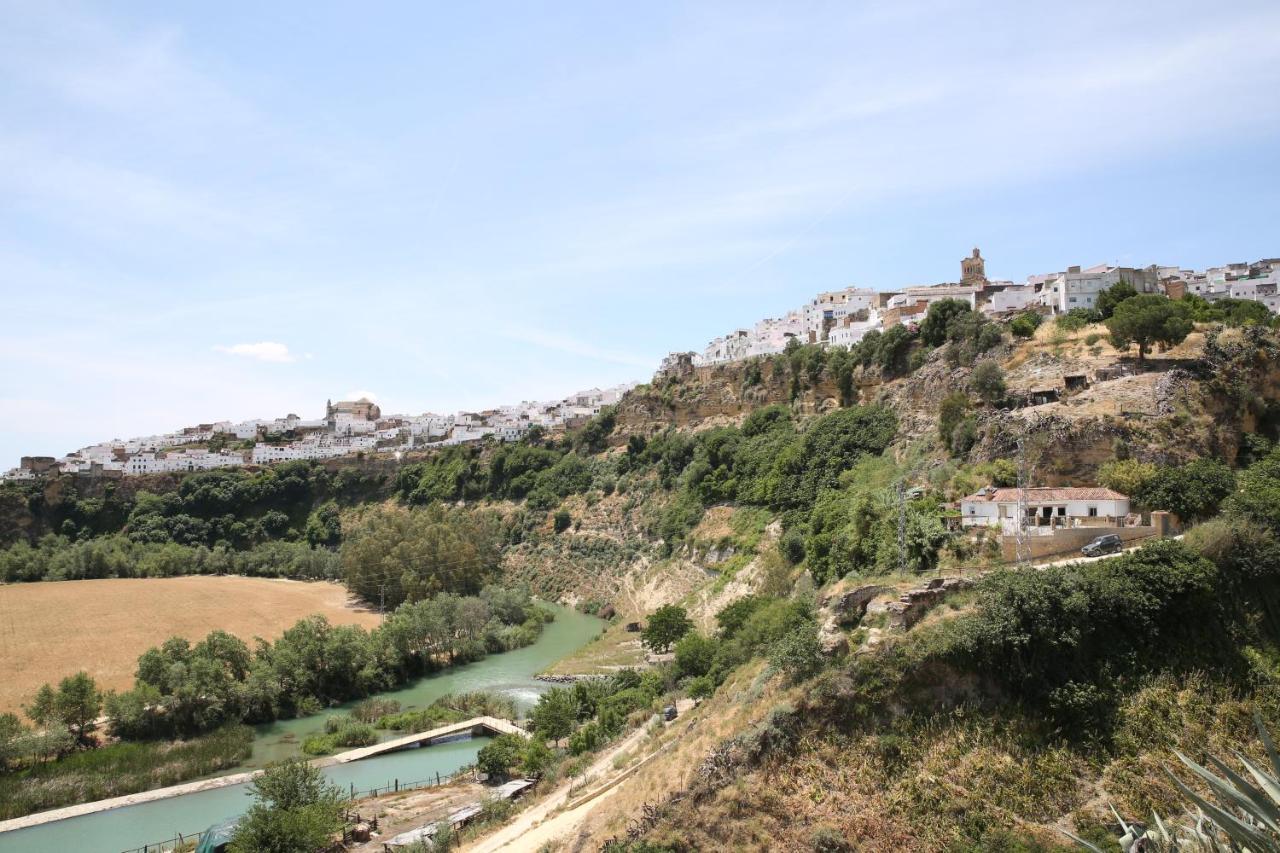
<point x="231" y="508"/>
<point x="55" y="557"/>
<point x="1148" y="319"/>
<point x="857" y="530"/>
<point x="392" y="555"/>
<point x="952" y="321"/>
<point x="766" y="462"/>
<point x="541" y="472"/>
<point x="1065" y="639"/>
<point x="1193" y="491"/>
<point x="185" y="689"/>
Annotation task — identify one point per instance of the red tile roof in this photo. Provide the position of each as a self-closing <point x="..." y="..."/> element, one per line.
<point x="1049" y="494"/>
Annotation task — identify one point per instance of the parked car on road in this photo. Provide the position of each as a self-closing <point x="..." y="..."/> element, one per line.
<point x="669" y="713"/>
<point x="1108" y="544"/>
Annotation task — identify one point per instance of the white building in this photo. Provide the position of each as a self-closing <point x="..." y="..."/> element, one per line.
<point x="1079" y="288"/>
<point x="849" y="332"/>
<point x="1044" y="508"/>
<point x="1016" y="298"/>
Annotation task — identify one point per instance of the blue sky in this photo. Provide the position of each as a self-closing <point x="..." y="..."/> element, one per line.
<point x="456" y="205"/>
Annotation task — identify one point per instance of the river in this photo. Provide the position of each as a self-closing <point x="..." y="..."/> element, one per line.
<point x="509" y="673"/>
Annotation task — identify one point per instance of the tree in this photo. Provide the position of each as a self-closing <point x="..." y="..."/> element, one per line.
<point x="297" y="810"/>
<point x="987" y="380"/>
<point x="537" y="757"/>
<point x="667" y="625"/>
<point x="700" y="687"/>
<point x="798" y="653"/>
<point x="1192" y="492"/>
<point x="562" y="520"/>
<point x="394" y="555"/>
<point x="694" y="654"/>
<point x="75" y="705"/>
<point x="1259" y="496"/>
<point x="1126" y="476"/>
<point x="12" y="734"/>
<point x="501" y="754"/>
<point x="1111" y="297"/>
<point x="951" y="411"/>
<point x="324" y="525"/>
<point x="555" y="715"/>
<point x="1025" y="324"/>
<point x="1147" y="319"/>
<point x="936" y="327"/>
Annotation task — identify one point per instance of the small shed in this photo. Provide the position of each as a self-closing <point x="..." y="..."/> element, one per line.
<point x="513" y="789"/>
<point x="408" y="838"/>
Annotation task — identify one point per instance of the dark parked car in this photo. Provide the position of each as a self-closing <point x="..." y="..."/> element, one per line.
<point x="1108" y="544"/>
<point x="669" y="713"/>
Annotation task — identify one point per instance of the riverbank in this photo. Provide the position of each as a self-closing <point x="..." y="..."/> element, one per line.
<point x="488" y="725"/>
<point x="509" y="673"/>
<point x="118" y="770"/>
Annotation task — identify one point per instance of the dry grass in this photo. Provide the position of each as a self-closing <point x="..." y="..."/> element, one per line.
<point x="617" y="648"/>
<point x="53" y="629"/>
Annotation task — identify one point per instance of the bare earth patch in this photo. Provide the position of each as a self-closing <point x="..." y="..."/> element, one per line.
<point x="53" y="629"/>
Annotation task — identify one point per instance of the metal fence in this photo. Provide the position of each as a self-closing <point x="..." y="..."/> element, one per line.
<point x="391" y="787"/>
<point x="189" y="841"/>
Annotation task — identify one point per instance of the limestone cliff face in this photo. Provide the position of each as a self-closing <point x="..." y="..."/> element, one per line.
<point x="1073" y="402"/>
<point x="702" y="397"/>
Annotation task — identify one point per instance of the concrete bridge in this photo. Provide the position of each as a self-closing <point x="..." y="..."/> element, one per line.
<point x="476" y="725"/>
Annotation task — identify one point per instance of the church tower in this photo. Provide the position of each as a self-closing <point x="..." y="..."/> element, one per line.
<point x="973" y="270"/>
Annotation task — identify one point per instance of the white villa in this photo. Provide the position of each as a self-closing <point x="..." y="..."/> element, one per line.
<point x="1046" y="508"/>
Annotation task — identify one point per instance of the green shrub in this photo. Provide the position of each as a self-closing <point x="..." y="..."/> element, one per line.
<point x="1025" y="324"/>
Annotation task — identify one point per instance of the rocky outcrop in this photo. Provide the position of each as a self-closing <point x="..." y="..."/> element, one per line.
<point x="848" y="608"/>
<point x="831" y="640"/>
<point x="914" y="604"/>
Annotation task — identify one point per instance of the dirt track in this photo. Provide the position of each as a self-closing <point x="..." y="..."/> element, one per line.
<point x="52" y="629"/>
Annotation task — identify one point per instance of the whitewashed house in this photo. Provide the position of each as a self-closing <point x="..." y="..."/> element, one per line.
<point x="1044" y="508"/>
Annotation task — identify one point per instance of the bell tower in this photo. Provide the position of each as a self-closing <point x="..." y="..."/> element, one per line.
<point x="973" y="269"/>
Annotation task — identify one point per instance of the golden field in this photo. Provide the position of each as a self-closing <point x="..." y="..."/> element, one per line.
<point x="53" y="629"/>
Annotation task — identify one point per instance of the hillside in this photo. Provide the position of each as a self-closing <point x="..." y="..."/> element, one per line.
<point x="868" y="672"/>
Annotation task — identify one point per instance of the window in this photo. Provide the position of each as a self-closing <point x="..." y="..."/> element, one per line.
<point x="1093" y="512"/>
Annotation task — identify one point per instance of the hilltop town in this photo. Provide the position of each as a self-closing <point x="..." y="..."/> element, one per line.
<point x="838" y="318"/>
<point x="842" y="318"/>
<point x="347" y="428"/>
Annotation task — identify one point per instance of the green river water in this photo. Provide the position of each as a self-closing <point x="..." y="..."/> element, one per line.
<point x="510" y="673"/>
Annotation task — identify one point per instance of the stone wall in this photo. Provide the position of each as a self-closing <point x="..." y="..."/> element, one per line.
<point x="1071" y="539"/>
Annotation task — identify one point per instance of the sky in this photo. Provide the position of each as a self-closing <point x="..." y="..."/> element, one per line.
<point x="230" y="210"/>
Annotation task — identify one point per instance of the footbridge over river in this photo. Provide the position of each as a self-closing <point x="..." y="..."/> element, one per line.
<point x="474" y="726"/>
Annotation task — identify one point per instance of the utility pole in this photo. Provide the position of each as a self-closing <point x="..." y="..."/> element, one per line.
<point x="1021" y="529"/>
<point x="902" y="529"/>
<point x="382" y="598"/>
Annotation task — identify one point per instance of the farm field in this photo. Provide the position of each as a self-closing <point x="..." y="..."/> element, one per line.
<point x="53" y="629"/>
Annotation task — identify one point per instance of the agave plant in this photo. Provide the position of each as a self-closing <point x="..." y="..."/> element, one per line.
<point x="1245" y="818"/>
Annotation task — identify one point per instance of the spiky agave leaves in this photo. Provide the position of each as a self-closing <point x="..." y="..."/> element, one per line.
<point x="1247" y="813"/>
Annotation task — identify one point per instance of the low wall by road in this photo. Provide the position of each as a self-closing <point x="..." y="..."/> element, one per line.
<point x="1069" y="540"/>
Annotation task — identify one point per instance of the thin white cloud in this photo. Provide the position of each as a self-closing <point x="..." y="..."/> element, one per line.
<point x="262" y="351"/>
<point x="575" y="346"/>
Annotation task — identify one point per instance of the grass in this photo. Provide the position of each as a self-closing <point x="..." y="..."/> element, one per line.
<point x="450" y="708"/>
<point x="119" y="769"/>
<point x="63" y="623"/>
<point x="614" y="649"/>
